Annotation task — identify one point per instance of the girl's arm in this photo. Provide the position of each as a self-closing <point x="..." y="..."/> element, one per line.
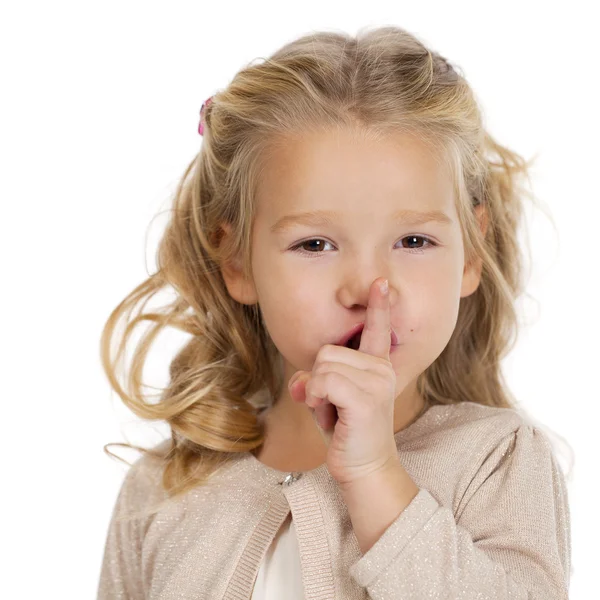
<point x="121" y="572"/>
<point x="509" y="539"/>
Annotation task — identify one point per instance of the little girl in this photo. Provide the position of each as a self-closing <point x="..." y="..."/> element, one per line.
<point x="340" y="428"/>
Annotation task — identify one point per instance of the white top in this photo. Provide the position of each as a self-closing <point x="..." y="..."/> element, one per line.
<point x="280" y="575"/>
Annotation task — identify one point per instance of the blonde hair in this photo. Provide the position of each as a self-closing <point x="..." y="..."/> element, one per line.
<point x="383" y="81"/>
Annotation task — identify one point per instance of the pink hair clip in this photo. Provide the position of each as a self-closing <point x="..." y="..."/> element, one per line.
<point x="201" y="124"/>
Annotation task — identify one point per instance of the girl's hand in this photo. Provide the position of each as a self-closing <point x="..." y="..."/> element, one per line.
<point x="352" y="394"/>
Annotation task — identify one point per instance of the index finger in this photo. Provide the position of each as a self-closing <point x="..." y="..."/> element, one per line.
<point x="375" y="339"/>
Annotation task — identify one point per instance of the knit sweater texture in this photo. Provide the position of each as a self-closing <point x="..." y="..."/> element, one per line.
<point x="491" y="521"/>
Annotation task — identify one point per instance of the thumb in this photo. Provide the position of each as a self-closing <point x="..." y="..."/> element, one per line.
<point x="296" y="385"/>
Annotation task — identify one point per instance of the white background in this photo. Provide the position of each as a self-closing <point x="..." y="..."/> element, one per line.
<point x="99" y="119"/>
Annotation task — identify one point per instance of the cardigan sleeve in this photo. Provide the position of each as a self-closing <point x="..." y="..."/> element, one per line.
<point x="121" y="571"/>
<point x="510" y="538"/>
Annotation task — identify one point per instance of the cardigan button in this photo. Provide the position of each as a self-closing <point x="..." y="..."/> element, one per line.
<point x="290" y="478"/>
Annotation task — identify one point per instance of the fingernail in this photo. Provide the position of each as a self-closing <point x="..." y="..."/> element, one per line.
<point x="384" y="287"/>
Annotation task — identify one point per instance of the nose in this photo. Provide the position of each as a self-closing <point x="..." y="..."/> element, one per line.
<point x="355" y="291"/>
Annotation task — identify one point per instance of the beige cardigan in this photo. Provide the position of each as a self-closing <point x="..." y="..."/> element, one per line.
<point x="491" y="521"/>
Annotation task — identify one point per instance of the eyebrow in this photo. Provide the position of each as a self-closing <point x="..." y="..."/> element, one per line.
<point x="326" y="217"/>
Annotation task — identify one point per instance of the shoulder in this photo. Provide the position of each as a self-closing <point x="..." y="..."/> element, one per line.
<point x="142" y="492"/>
<point x="474" y="425"/>
<point x="471" y="414"/>
<point x="506" y="437"/>
<point x="479" y="436"/>
<point x="485" y="445"/>
<point x="485" y="422"/>
<point x="493" y="423"/>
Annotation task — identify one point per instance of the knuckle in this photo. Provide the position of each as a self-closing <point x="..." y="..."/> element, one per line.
<point x="385" y="368"/>
<point x="329" y="376"/>
<point x="322" y="367"/>
<point x="325" y="351"/>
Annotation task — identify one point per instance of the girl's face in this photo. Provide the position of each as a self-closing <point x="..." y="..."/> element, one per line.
<point x="312" y="276"/>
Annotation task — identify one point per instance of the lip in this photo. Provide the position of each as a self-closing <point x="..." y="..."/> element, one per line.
<point x="351" y="333"/>
<point x="359" y="327"/>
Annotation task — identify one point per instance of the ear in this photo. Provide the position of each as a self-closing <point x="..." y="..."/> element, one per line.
<point x="240" y="289"/>
<point x="472" y="272"/>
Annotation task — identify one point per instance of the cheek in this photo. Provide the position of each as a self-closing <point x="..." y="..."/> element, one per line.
<point x="432" y="311"/>
<point x="286" y="309"/>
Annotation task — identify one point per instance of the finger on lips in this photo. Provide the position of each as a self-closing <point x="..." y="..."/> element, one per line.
<point x="377" y="321"/>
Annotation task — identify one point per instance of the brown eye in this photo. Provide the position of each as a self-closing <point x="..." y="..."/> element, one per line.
<point x="318" y="243"/>
<point x="321" y="242"/>
<point x="411" y="238"/>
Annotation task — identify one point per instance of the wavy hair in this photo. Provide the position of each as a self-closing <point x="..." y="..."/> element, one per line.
<point x="383" y="81"/>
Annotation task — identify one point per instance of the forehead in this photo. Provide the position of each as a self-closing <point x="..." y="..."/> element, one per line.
<point x="346" y="172"/>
